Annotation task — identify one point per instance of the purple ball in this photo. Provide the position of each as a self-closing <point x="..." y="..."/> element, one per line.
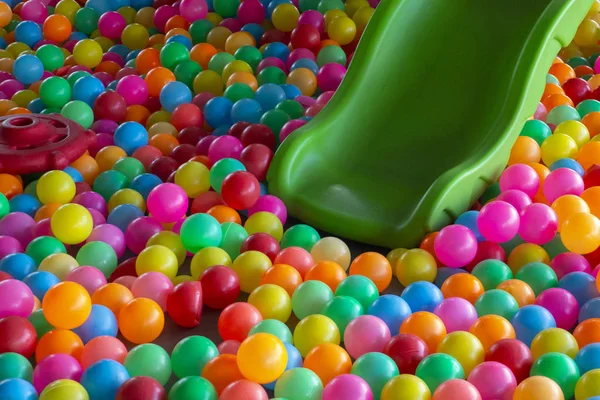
<point x="104" y="126"/>
<point x="272" y="204"/>
<point x="55" y="367"/>
<point x="19" y="226"/>
<point x="456" y="313"/>
<point x="455" y="246"/>
<point x="92" y="200"/>
<point x="562" y="305"/>
<point x="565" y="263"/>
<point x="111" y="235"/>
<point x="347" y="386"/>
<point x="139" y="231"/>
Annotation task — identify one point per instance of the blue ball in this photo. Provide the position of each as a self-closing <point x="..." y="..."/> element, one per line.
<point x="392" y="310"/>
<point x="291" y="91"/>
<point x="248" y="110"/>
<point x="28" y="69"/>
<point x="144" y="183"/>
<point x="101" y="322"/>
<point x="444" y="273"/>
<point x="469" y="219"/>
<point x="306" y="63"/>
<point x="130" y="136"/>
<point x="103" y="379"/>
<point x="77" y="36"/>
<point x="255" y="30"/>
<point x="2" y="43"/>
<point x="567" y="163"/>
<point x="277" y="50"/>
<point x="132" y="55"/>
<point x="28" y="32"/>
<point x="112" y="86"/>
<point x="422" y="296"/>
<point x="217" y="111"/>
<point x="531" y="320"/>
<point x="588" y="358"/>
<point x="24" y="203"/>
<point x="36" y="106"/>
<point x="137" y="4"/>
<point x="264" y="189"/>
<point x="87" y="89"/>
<point x="174" y="94"/>
<point x="180" y="39"/>
<point x="120" y="49"/>
<point x="581" y="285"/>
<point x="18" y="265"/>
<point x="121" y="216"/>
<point x="269" y="95"/>
<point x="100" y="6"/>
<point x="294" y="361"/>
<point x="273" y="4"/>
<point x="221" y="130"/>
<point x="73" y="173"/>
<point x="17" y="389"/>
<point x="590" y="309"/>
<point x="116" y="4"/>
<point x="40" y="282"/>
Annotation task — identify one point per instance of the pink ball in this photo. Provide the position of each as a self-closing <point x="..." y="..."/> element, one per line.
<point x="498" y="221"/>
<point x="133" y="89"/>
<point x="562" y="305"/>
<point x="595" y="271"/>
<point x="9" y="245"/>
<point x="126" y="281"/>
<point x="562" y="181"/>
<point x="111" y="24"/>
<point x="90" y="278"/>
<point x="251" y="12"/>
<point x="297" y="54"/>
<point x="111" y="235"/>
<point x="347" y="386"/>
<point x="193" y="10"/>
<point x="493" y="380"/>
<point x="455" y="389"/>
<point x="290" y="127"/>
<point x="167" y="202"/>
<point x="538" y="224"/>
<point x="272" y="204"/>
<point x="456" y="313"/>
<point x="565" y="263"/>
<point x="97" y="217"/>
<point x="226" y="146"/>
<point x="154" y="286"/>
<point x="15" y="299"/>
<point x="55" y="367"/>
<point x="541" y="112"/>
<point x="455" y="246"/>
<point x="271" y="62"/>
<point x="139" y="231"/>
<point x="306" y="101"/>
<point x="229" y="347"/>
<point x="18" y="225"/>
<point x="324" y="98"/>
<point x="42" y="228"/>
<point x="516" y="198"/>
<point x="92" y="200"/>
<point x="35" y="11"/>
<point x="520" y="177"/>
<point x="314" y="18"/>
<point x="366" y="334"/>
<point x="330" y="76"/>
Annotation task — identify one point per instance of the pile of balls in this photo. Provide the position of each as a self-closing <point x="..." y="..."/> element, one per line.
<point x="189" y="100"/>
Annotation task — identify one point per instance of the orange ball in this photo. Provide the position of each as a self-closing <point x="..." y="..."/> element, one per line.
<point x="6" y="104"/>
<point x="551" y="89"/>
<point x="542" y="171"/>
<point x="141" y="320"/>
<point x="582" y="70"/>
<point x="58" y="341"/>
<point x="525" y="151"/>
<point x="521" y="291"/>
<point x="177" y="32"/>
<point x="328" y="272"/>
<point x="463" y="285"/>
<point x="157" y="78"/>
<point x="328" y="360"/>
<point x="164" y="142"/>
<point x="5" y="14"/>
<point x="176" y="21"/>
<point x="589" y="154"/>
<point x="491" y="328"/>
<point x="587" y="332"/>
<point x="146" y="60"/>
<point x="10" y="186"/>
<point x="66" y="305"/>
<point x="108" y="156"/>
<point x="282" y="275"/>
<point x="303" y="79"/>
<point x="57" y="27"/>
<point x="427" y="326"/>
<point x="225" y="214"/>
<point x="87" y="167"/>
<point x="592" y="122"/>
<point x="112" y="296"/>
<point x="237" y="40"/>
<point x="110" y="67"/>
<point x="555" y="100"/>
<point x="157" y="39"/>
<point x="427" y="245"/>
<point x="46" y="211"/>
<point x="18" y="110"/>
<point x="221" y="371"/>
<point x="375" y="267"/>
<point x="244" y="77"/>
<point x="202" y="53"/>
<point x="562" y="72"/>
<point x="137" y="113"/>
<point x="569" y="204"/>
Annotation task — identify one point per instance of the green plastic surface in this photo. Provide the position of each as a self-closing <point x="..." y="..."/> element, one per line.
<point x="425" y="118"/>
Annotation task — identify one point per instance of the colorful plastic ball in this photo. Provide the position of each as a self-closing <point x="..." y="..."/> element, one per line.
<point x="240" y="190"/>
<point x="439" y="368"/>
<point x="16" y="388"/>
<point x="456" y="388"/>
<point x="142" y="388"/>
<point x="561" y="182"/>
<point x="560" y="368"/>
<point x="17" y="299"/>
<point x="153" y="285"/>
<point x="415" y="265"/>
<point x="299" y="381"/>
<point x="133" y="89"/>
<point x="99" y="255"/>
<point x="562" y="305"/>
<point x="236" y="321"/>
<point x="366" y="334"/>
<point x="491" y="273"/>
<point x="456" y="313"/>
<point x="14" y="365"/>
<point x="18" y="336"/>
<point x="520" y="177"/>
<point x="342" y="310"/>
<point x="540" y="386"/>
<point x="314" y="330"/>
<point x="167" y="202"/>
<point x="422" y="296"/>
<point x="55" y="187"/>
<point x="346" y="386"/>
<point x="149" y="360"/>
<point x="310" y="297"/>
<point x="55" y="367"/>
<point x="391" y="309"/>
<point x="512" y="353"/>
<point x="28" y="69"/>
<point x="266" y="222"/>
<point x="427" y="326"/>
<point x="587" y="357"/>
<point x="498" y="221"/>
<point x="272" y="301"/>
<point x="67" y="305"/>
<point x="531" y="320"/>
<point x="130" y="136"/>
<point x="191" y="354"/>
<point x="580" y="233"/>
<point x="539" y="224"/>
<point x="275" y="328"/>
<point x="103" y="378"/>
<point x="455" y="246"/>
<point x="102" y="347"/>
<point x="184" y="304"/>
<point x="587" y="387"/>
<point x="220" y="285"/>
<point x="190" y="386"/>
<point x="208" y="225"/>
<point x="101" y="322"/>
<point x="71" y="223"/>
<point x="581" y="285"/>
<point x="407" y="351"/>
<point x="18" y="265"/>
<point x="88" y="52"/>
<point x="157" y="258"/>
<point x="496" y="302"/>
<point x="405" y="387"/>
<point x="493" y="380"/>
<point x="262" y="358"/>
<point x="141" y="320"/>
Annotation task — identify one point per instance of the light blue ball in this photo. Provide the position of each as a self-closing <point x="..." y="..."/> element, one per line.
<point x="217" y="111"/>
<point x="174" y="94"/>
<point x="28" y="69"/>
<point x="130" y="136"/>
<point x="103" y="379"/>
<point x="422" y="296"/>
<point x="392" y="310"/>
<point x="40" y="282"/>
<point x="247" y="110"/>
<point x="28" y="32"/>
<point x="17" y="389"/>
<point x="269" y="95"/>
<point x="101" y="322"/>
<point x="25" y="203"/>
<point x="18" y="265"/>
<point x="87" y="89"/>
<point x="531" y="320"/>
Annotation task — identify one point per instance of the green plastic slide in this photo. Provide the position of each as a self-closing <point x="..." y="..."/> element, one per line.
<point x="425" y="118"/>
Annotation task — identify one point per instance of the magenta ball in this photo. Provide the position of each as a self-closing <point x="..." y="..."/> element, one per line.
<point x="153" y="285"/>
<point x="250" y="12"/>
<point x="493" y="380"/>
<point x="92" y="200"/>
<point x="162" y="15"/>
<point x="35" y="11"/>
<point x="498" y="221"/>
<point x="41" y="228"/>
<point x="226" y="146"/>
<point x="17" y="225"/>
<point x="9" y="245"/>
<point x="271" y="62"/>
<point x="347" y="386"/>
<point x="519" y="200"/>
<point x="15" y="299"/>
<point x="97" y="217"/>
<point x="561" y="304"/>
<point x="366" y="334"/>
<point x="297" y="54"/>
<point x="167" y="202"/>
<point x="541" y="112"/>
<point x="272" y="204"/>
<point x="560" y="182"/>
<point x="306" y="101"/>
<point x="314" y="18"/>
<point x="520" y="177"/>
<point x="539" y="224"/>
<point x="139" y="231"/>
<point x="330" y="76"/>
<point x="290" y="127"/>
<point x="565" y="263"/>
<point x="456" y="313"/>
<point x="111" y="24"/>
<point x="193" y="10"/>
<point x="455" y="246"/>
<point x="55" y="367"/>
<point x="91" y="278"/>
<point x="111" y="235"/>
<point x="133" y="89"/>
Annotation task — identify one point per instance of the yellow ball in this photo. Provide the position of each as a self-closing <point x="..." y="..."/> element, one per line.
<point x="463" y="346"/>
<point x="145" y="17"/>
<point x="353" y="6"/>
<point x="68" y="8"/>
<point x="206" y="258"/>
<point x="135" y="36"/>
<point x="395" y="254"/>
<point x="59" y="264"/>
<point x="63" y="389"/>
<point x="574" y="129"/>
<point x="554" y="340"/>
<point x="588" y="385"/>
<point x="55" y="187"/>
<point x="262" y="358"/>
<point x="215" y="18"/>
<point x="158" y="116"/>
<point x="126" y="196"/>
<point x="587" y="33"/>
<point x="23" y="97"/>
<point x="526" y="253"/>
<point x="580" y="233"/>
<point x="157" y="258"/>
<point x="331" y="249"/>
<point x="17" y="48"/>
<point x="218" y="36"/>
<point x="170" y="240"/>
<point x="71" y="223"/>
<point x="333" y="14"/>
<point x="181" y="278"/>
<point x="558" y="146"/>
<point x="415" y="265"/>
<point x="342" y="30"/>
<point x="88" y="52"/>
<point x="208" y="81"/>
<point x="405" y="387"/>
<point x="314" y="330"/>
<point x="540" y="387"/>
<point x="264" y="222"/>
<point x="128" y="13"/>
<point x="233" y="67"/>
<point x="104" y="42"/>
<point x="193" y="177"/>
<point x="250" y="267"/>
<point x="162" y="127"/>
<point x="285" y="17"/>
<point x="272" y="301"/>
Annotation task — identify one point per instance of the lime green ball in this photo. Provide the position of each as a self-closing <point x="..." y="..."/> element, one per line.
<point x="191" y="354"/>
<point x="149" y="360"/>
<point x="78" y="111"/>
<point x="199" y="30"/>
<point x="537" y="275"/>
<point x="496" y="302"/>
<point x="491" y="273"/>
<point x="172" y="54"/>
<point x="233" y="237"/>
<point x="42" y="246"/>
<point x="342" y="310"/>
<point x="51" y="56"/>
<point x="300" y="235"/>
<point x="55" y="92"/>
<point x="292" y="108"/>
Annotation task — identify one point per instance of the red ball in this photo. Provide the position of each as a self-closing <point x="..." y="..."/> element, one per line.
<point x="259" y="133"/>
<point x="577" y="89"/>
<point x="238" y="128"/>
<point x="146" y="154"/>
<point x="240" y="190"/>
<point x="236" y="321"/>
<point x="82" y="187"/>
<point x="407" y="351"/>
<point x="262" y="242"/>
<point x="17" y="335"/>
<point x="244" y="389"/>
<point x="274" y="35"/>
<point x="110" y="105"/>
<point x="4" y="276"/>
<point x="141" y="388"/>
<point x="153" y="104"/>
<point x="186" y="115"/>
<point x="257" y="158"/>
<point x="163" y="167"/>
<point x="485" y="251"/>
<point x="591" y="177"/>
<point x="202" y="98"/>
<point x="191" y="135"/>
<point x="221" y="286"/>
<point x="305" y="36"/>
<point x="183" y="153"/>
<point x="126" y="268"/>
<point x="205" y="202"/>
<point x="184" y="304"/>
<point x="514" y="354"/>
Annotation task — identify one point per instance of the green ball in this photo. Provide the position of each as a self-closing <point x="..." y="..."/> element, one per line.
<point x="308" y="5"/>
<point x="560" y="368"/>
<point x="172" y="54"/>
<point x="577" y="61"/>
<point x="99" y="255"/>
<point x="299" y="383"/>
<point x="327" y="5"/>
<point x="55" y="92"/>
<point x="4" y="205"/>
<point x="221" y="169"/>
<point x="588" y="106"/>
<point x="199" y="231"/>
<point x="186" y="71"/>
<point x="74" y="77"/>
<point x="42" y="246"/>
<point x="438" y="368"/>
<point x="233" y="237"/>
<point x="300" y="235"/>
<point x="359" y="288"/>
<point x="51" y="56"/>
<point x="14" y="365"/>
<point x="238" y="91"/>
<point x="592" y="58"/>
<point x="249" y="54"/>
<point x="12" y="24"/>
<point x="342" y="310"/>
<point x="496" y="302"/>
<point x="39" y="322"/>
<point x="310" y="297"/>
<point x="275" y="119"/>
<point x="292" y="108"/>
<point x="199" y="30"/>
<point x="537" y="275"/>
<point x="86" y="20"/>
<point x="78" y="111"/>
<point x="490" y="193"/>
<point x="191" y="354"/>
<point x="331" y="54"/>
<point x="149" y="360"/>
<point x="537" y="130"/>
<point x="130" y="167"/>
<point x="561" y="114"/>
<point x="491" y="273"/>
<point x="226" y="8"/>
<point x="552" y="79"/>
<point x="275" y="328"/>
<point x="376" y="369"/>
<point x="193" y="388"/>
<point x="51" y="110"/>
<point x="218" y="62"/>
<point x="271" y="75"/>
<point x="109" y="182"/>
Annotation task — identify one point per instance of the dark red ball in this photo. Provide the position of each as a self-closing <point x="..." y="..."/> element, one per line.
<point x="141" y="388"/>
<point x="4" y="276"/>
<point x="577" y="89"/>
<point x="257" y="158"/>
<point x="274" y="35"/>
<point x="221" y="286"/>
<point x="262" y="242"/>
<point x="126" y="268"/>
<point x="203" y="145"/>
<point x="305" y="36"/>
<point x="259" y="133"/>
<point x="163" y="167"/>
<point x="184" y="304"/>
<point x="191" y="135"/>
<point x="591" y="177"/>
<point x="205" y="202"/>
<point x="240" y="190"/>
<point x="487" y="250"/>
<point x="17" y="335"/>
<point x="81" y="187"/>
<point x="183" y="153"/>
<point x="110" y="105"/>
<point x="186" y="115"/>
<point x="407" y="351"/>
<point x="514" y="354"/>
<point x="153" y="104"/>
<point x="238" y="128"/>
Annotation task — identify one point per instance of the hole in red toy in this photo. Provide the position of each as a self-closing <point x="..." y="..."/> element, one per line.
<point x="57" y="124"/>
<point x="21" y="121"/>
